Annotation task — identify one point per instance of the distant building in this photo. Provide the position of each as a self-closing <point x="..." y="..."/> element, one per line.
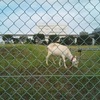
<point x="47" y="30"/>
<point x="52" y="29"/>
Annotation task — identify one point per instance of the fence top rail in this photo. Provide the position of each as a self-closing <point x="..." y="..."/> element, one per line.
<point x="75" y="35"/>
<point x="34" y="34"/>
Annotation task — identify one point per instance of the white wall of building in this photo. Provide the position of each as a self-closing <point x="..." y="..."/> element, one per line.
<point x="52" y="29"/>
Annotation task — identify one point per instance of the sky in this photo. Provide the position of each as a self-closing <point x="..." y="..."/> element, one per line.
<point x="24" y="16"/>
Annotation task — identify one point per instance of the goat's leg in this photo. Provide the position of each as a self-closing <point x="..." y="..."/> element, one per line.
<point x="47" y="57"/>
<point x="60" y="62"/>
<point x="63" y="57"/>
<point x="53" y="60"/>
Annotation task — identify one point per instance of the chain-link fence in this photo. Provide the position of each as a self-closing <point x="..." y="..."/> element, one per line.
<point x="27" y="27"/>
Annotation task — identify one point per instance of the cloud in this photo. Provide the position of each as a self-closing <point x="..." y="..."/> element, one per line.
<point x="77" y="15"/>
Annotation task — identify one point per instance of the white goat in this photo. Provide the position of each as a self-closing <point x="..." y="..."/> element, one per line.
<point x="63" y="51"/>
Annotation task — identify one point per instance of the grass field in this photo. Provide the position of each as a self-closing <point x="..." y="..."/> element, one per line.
<point x="24" y="74"/>
<point x="30" y="59"/>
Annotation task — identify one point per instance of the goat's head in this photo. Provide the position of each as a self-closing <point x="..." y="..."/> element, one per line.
<point x="75" y="62"/>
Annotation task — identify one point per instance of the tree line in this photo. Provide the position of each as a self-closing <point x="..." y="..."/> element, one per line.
<point x="82" y="39"/>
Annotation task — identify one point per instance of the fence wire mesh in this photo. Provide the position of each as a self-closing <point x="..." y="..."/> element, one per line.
<point x="27" y="27"/>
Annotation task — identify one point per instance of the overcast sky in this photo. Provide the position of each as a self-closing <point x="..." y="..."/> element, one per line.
<point x="22" y="16"/>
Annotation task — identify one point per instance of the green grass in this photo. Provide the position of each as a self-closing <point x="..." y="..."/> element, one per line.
<point x="30" y="59"/>
<point x="25" y="76"/>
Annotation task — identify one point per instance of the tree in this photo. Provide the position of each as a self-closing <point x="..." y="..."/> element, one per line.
<point x="38" y="38"/>
<point x="84" y="40"/>
<point x="23" y="38"/>
<point x="7" y="38"/>
<point x="16" y="40"/>
<point x="53" y="38"/>
<point x="97" y="37"/>
<point x="83" y="33"/>
<point x="68" y="40"/>
<point x="28" y="40"/>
